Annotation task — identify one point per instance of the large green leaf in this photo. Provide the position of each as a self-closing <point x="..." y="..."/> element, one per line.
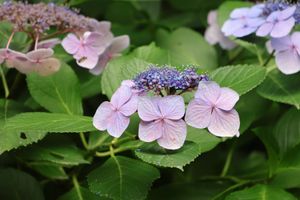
<point x="241" y="78"/>
<point x="198" y="141"/>
<point x="188" y="47"/>
<point x="11" y="139"/>
<point x="261" y="192"/>
<point x="152" y="54"/>
<point x="287" y="131"/>
<point x="122" y="178"/>
<point x="49" y="122"/>
<point x="119" y="69"/>
<point x="16" y="185"/>
<point x="56" y="149"/>
<point x="49" y="170"/>
<point x="281" y="88"/>
<point x="81" y="193"/>
<point x="59" y="93"/>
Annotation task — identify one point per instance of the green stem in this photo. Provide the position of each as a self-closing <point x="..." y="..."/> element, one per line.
<point x="269" y="58"/>
<point x="230" y="189"/>
<point x="77" y="187"/>
<point x="112" y="151"/>
<point x="4" y="82"/>
<point x="83" y="140"/>
<point x="228" y="160"/>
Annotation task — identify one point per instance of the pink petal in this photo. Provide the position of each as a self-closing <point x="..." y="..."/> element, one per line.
<point x="226" y="43"/>
<point x="174" y="134"/>
<point x="244" y="31"/>
<point x="281" y="44"/>
<point x="148" y="109"/>
<point x="119" y="44"/>
<point x="71" y="43"/>
<point x="101" y="64"/>
<point x="39" y="54"/>
<point x="130" y="107"/>
<point x="213" y="34"/>
<point x="150" y="131"/>
<point x="95" y="42"/>
<point x="282" y="28"/>
<point x="212" y="17"/>
<point x="239" y="12"/>
<point x="51" y="43"/>
<point x="256" y="10"/>
<point x="198" y="114"/>
<point x="103" y="113"/>
<point x="117" y="124"/>
<point x="224" y="123"/>
<point x="295" y="38"/>
<point x="47" y="66"/>
<point x="273" y="16"/>
<point x="227" y="99"/>
<point x="230" y="26"/>
<point x="88" y="62"/>
<point x="103" y="27"/>
<point x="128" y="83"/>
<point x="288" y="61"/>
<point x="264" y="29"/>
<point x="171" y="107"/>
<point x="121" y="96"/>
<point x="286" y="13"/>
<point x="208" y="91"/>
<point x="269" y="47"/>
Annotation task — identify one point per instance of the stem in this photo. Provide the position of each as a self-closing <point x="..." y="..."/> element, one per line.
<point x="10" y="39"/>
<point x="4" y="82"/>
<point x="259" y="57"/>
<point x="36" y="42"/>
<point x="112" y="151"/>
<point x="83" y="140"/>
<point x="230" y="188"/>
<point x="228" y="161"/>
<point x="269" y="58"/>
<point x="77" y="187"/>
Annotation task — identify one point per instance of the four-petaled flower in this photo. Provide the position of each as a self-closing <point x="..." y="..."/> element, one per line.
<point x="212" y="108"/>
<point x="278" y="23"/>
<point x="114" y="116"/>
<point x="287" y="53"/>
<point x="162" y="121"/>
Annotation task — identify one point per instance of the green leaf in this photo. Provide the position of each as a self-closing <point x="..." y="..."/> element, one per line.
<point x="261" y="192"/>
<point x="49" y="170"/>
<point x="91" y="87"/>
<point x="152" y="54"/>
<point x="49" y="122"/>
<point x="281" y="88"/>
<point x="122" y="68"/>
<point x="227" y="7"/>
<point x="16" y="185"/>
<point x="56" y="149"/>
<point x="241" y="78"/>
<point x="85" y="195"/>
<point x="287" y="131"/>
<point x="59" y="93"/>
<point x="10" y="139"/>
<point x="154" y="154"/>
<point x="188" y="47"/>
<point x="122" y="178"/>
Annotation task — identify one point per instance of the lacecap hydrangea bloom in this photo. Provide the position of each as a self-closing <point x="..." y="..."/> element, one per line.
<point x="156" y="97"/>
<point x="273" y="19"/>
<point x="89" y="41"/>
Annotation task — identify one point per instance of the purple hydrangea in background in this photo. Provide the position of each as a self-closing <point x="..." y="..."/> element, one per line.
<point x="278" y="23"/>
<point x="243" y="21"/>
<point x="212" y="108"/>
<point x="287" y="53"/>
<point x="213" y="33"/>
<point x="162" y="112"/>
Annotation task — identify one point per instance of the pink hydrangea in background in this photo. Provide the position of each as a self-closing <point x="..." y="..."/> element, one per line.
<point x="213" y="33"/>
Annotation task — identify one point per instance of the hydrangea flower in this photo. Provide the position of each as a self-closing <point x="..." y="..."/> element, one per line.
<point x="213" y="33"/>
<point x="161" y="120"/>
<point x="86" y="49"/>
<point x="48" y="44"/>
<point x="287" y="53"/>
<point x="278" y="23"/>
<point x="212" y="108"/>
<point x="243" y="21"/>
<point x="117" y="45"/>
<point x="9" y="56"/>
<point x="114" y="116"/>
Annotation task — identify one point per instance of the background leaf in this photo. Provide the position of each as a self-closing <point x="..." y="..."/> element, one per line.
<point x="122" y="178"/>
<point x="57" y="93"/>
